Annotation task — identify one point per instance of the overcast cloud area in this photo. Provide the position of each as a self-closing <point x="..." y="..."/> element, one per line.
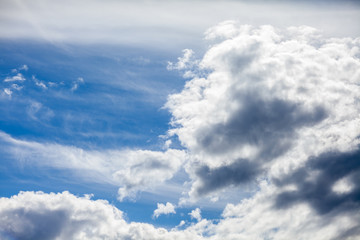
<point x="269" y="110"/>
<point x="163" y="24"/>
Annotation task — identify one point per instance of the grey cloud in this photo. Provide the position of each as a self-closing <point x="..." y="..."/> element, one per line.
<point x="37" y="224"/>
<point x="269" y="125"/>
<point x="315" y="183"/>
<point x="237" y="173"/>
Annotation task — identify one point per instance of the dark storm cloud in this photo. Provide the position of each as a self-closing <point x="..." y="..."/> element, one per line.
<point x="269" y="125"/>
<point x="316" y="179"/>
<point x="239" y="172"/>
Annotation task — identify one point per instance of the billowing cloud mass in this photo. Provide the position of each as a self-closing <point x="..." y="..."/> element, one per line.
<point x="37" y="215"/>
<point x="131" y="170"/>
<point x="277" y="111"/>
<point x="273" y="100"/>
<point x="164" y="209"/>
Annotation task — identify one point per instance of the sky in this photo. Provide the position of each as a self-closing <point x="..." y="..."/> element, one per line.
<point x="156" y="119"/>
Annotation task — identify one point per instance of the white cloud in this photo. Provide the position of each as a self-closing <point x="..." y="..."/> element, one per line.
<point x="271" y="100"/>
<point x="76" y="83"/>
<point x="7" y="91"/>
<point x="256" y="218"/>
<point x="17" y="77"/>
<point x="37" y="215"/>
<point x="16" y="87"/>
<point x="131" y="170"/>
<point x="196" y="214"/>
<point x="164" y="209"/>
<point x="39" y="83"/>
<point x="24" y="67"/>
<point x="280" y="105"/>
<point x="343" y="186"/>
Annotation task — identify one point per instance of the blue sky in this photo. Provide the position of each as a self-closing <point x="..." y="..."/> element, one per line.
<point x="179" y="119"/>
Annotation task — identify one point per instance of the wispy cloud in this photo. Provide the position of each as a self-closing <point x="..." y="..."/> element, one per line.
<point x="131" y="170"/>
<point x="39" y="83"/>
<point x="17" y="77"/>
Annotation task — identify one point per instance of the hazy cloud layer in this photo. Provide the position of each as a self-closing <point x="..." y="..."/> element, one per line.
<point x="162" y="23"/>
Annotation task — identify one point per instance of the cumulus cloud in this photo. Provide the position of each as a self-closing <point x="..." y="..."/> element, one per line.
<point x="276" y="108"/>
<point x="196" y="214"/>
<point x="164" y="209"/>
<point x="256" y="218"/>
<point x="269" y="100"/>
<point x="37" y="215"/>
<point x="329" y="182"/>
<point x="131" y="170"/>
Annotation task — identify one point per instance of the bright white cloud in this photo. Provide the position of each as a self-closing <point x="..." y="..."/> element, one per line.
<point x="17" y="77"/>
<point x="37" y="215"/>
<point x="196" y="214"/>
<point x="263" y="103"/>
<point x="256" y="218"/>
<point x="131" y="170"/>
<point x="8" y="91"/>
<point x="281" y="105"/>
<point x="271" y="100"/>
<point x="164" y="209"/>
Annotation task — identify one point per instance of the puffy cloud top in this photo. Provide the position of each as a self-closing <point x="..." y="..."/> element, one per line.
<point x="164" y="209"/>
<point x="271" y="99"/>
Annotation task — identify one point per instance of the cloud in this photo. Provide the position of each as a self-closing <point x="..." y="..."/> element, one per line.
<point x="131" y="170"/>
<point x="196" y="214"/>
<point x="164" y="209"/>
<point x="236" y="173"/>
<point x="276" y="108"/>
<point x="256" y="218"/>
<point x="187" y="63"/>
<point x="8" y="91"/>
<point x="185" y="20"/>
<point x="23" y="67"/>
<point x="17" y="77"/>
<point x="37" y="215"/>
<point x="265" y="101"/>
<point x="76" y="83"/>
<point x="39" y="83"/>
<point x="329" y="182"/>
